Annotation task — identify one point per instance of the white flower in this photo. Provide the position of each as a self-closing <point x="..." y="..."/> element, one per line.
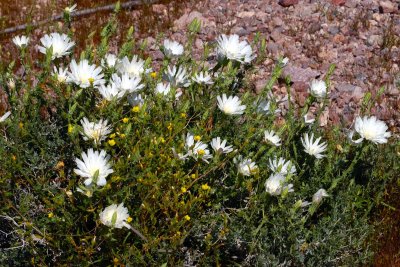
<point x="84" y="74"/>
<point x="220" y="147"/>
<point x="245" y="166"/>
<point x="70" y="9"/>
<point x="134" y="68"/>
<point x="60" y="44"/>
<point x="230" y="105"/>
<point x="197" y="150"/>
<point x="318" y="88"/>
<point x="96" y="131"/>
<point x="264" y="107"/>
<point x="94" y="166"/>
<point x="115" y="216"/>
<point x="272" y="137"/>
<point x="313" y="148"/>
<point x="135" y="100"/>
<point x="319" y="195"/>
<point x="163" y="89"/>
<point x="110" y="92"/>
<point x="202" y="78"/>
<point x="230" y="47"/>
<point x="172" y="48"/>
<point x="109" y="60"/>
<point x="177" y="76"/>
<point x="126" y="83"/>
<point x="5" y="116"/>
<point x="60" y="74"/>
<point x="276" y="184"/>
<point x="11" y="83"/>
<point x="308" y="119"/>
<point x="371" y="129"/>
<point x="282" y="166"/>
<point x="21" y="41"/>
<point x="285" y="61"/>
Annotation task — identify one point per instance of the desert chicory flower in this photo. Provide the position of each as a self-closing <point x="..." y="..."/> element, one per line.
<point x="220" y="147"/>
<point x="282" y="166"/>
<point x="371" y="129"/>
<point x="264" y="107"/>
<point x="115" y="216"/>
<point x="135" y="100"/>
<point x="318" y="88"/>
<point x="5" y="116"/>
<point x="94" y="166"/>
<point x="134" y="67"/>
<point x="60" y="44"/>
<point x="202" y="78"/>
<point x="245" y="166"/>
<point x="232" y="48"/>
<point x="197" y="150"/>
<point x="276" y="184"/>
<point x="172" y="48"/>
<point x="109" y="61"/>
<point x="98" y="131"/>
<point x="85" y="74"/>
<point x="319" y="195"/>
<point x="70" y="9"/>
<point x="60" y="74"/>
<point x="110" y="92"/>
<point x="126" y="83"/>
<point x="230" y="105"/>
<point x="312" y="147"/>
<point x="177" y="76"/>
<point x="272" y="137"/>
<point x="21" y="41"/>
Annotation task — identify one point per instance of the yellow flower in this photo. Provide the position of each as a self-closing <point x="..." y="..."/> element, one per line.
<point x="14" y="158"/>
<point x="183" y="115"/>
<point x="122" y="135"/>
<point x="153" y="74"/>
<point x="111" y="142"/>
<point x="91" y="81"/>
<point x="183" y="189"/>
<point x="129" y="219"/>
<point x="136" y="109"/>
<point x="205" y="187"/>
<point x="201" y="152"/>
<point x="112" y="136"/>
<point x="187" y="217"/>
<point x="125" y="120"/>
<point x="70" y="128"/>
<point x="169" y="127"/>
<point x="50" y="215"/>
<point x="162" y="140"/>
<point x="197" y="137"/>
<point x="193" y="176"/>
<point x="21" y="125"/>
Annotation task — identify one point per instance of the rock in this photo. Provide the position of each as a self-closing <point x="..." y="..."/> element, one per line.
<point x="246" y="14"/>
<point x="184" y="20"/>
<point x="338" y="2"/>
<point x="374" y="40"/>
<point x="297" y="74"/>
<point x="159" y="9"/>
<point x="288" y="3"/>
<point x="388" y="7"/>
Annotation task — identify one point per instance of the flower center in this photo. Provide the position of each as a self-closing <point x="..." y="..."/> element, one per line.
<point x="228" y="109"/>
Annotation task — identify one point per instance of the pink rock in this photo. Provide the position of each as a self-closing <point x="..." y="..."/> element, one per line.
<point x="388" y="7"/>
<point x="287" y="3"/>
<point x="338" y="2"/>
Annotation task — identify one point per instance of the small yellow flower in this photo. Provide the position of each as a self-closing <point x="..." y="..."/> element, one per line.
<point x="116" y="260"/>
<point x="136" y="109"/>
<point x="153" y="75"/>
<point x="21" y="125"/>
<point x="91" y="81"/>
<point x="197" y="137"/>
<point x="182" y="202"/>
<point x="162" y="140"/>
<point x="111" y="142"/>
<point x="122" y="135"/>
<point x="187" y="217"/>
<point x="70" y="128"/>
<point x="205" y="187"/>
<point x="108" y="186"/>
<point x="112" y="136"/>
<point x="14" y="158"/>
<point x="183" y="115"/>
<point x="129" y="219"/>
<point x="183" y="189"/>
<point x="169" y="127"/>
<point x="339" y="148"/>
<point x="50" y="215"/>
<point x="201" y="152"/>
<point x="125" y="120"/>
<point x="193" y="176"/>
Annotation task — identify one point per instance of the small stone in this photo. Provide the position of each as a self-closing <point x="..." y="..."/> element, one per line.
<point x="388" y="7"/>
<point x="288" y="3"/>
<point x="338" y="2"/>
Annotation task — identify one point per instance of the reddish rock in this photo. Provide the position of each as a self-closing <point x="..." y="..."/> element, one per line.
<point x="388" y="7"/>
<point x="338" y="2"/>
<point x="287" y="3"/>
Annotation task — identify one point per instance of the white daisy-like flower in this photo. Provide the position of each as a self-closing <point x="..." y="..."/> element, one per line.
<point x="172" y="48"/>
<point x="319" y="195"/>
<point x="109" y="61"/>
<point x="134" y="67"/>
<point x="11" y="83"/>
<point x="276" y="184"/>
<point x="264" y="107"/>
<point x="230" y="105"/>
<point x="94" y="166"/>
<point x="312" y="147"/>
<point x="179" y="156"/>
<point x="177" y="76"/>
<point x="232" y="48"/>
<point x="308" y="119"/>
<point x="272" y="137"/>
<point x="21" y="41"/>
<point x="371" y="129"/>
<point x="111" y="92"/>
<point x="245" y="166"/>
<point x="60" y="43"/>
<point x="135" y="100"/>
<point x="5" y="116"/>
<point x="203" y="78"/>
<point x="285" y="61"/>
<point x="60" y="74"/>
<point x="318" y="88"/>
<point x="198" y="149"/>
<point x="70" y="9"/>
<point x="115" y="216"/>
<point x="85" y="74"/>
<point x="282" y="166"/>
<point x="163" y="89"/>
<point x="127" y="83"/>
<point x="98" y="131"/>
<point x="220" y="147"/>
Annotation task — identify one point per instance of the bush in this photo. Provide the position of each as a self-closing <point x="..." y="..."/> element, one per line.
<point x="181" y="201"/>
